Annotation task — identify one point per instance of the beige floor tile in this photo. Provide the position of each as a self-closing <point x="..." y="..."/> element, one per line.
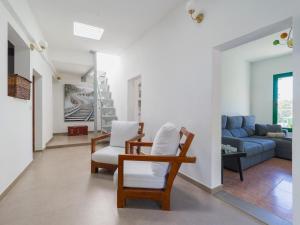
<point x="58" y="189"/>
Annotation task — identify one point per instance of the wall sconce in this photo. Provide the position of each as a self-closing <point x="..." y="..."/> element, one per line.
<point x="40" y="47"/>
<point x="196" y="15"/>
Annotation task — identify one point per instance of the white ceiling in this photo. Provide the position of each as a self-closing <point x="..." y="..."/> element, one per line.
<point x="124" y="23"/>
<point x="260" y="49"/>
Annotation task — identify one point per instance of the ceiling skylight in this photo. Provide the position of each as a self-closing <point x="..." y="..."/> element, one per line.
<point x="87" y="31"/>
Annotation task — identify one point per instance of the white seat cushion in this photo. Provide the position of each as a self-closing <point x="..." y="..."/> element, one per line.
<point x="108" y="155"/>
<point x="122" y="131"/>
<point x="166" y="142"/>
<point x="138" y="174"/>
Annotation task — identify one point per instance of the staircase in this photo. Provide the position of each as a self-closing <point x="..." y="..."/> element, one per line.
<point x="106" y="110"/>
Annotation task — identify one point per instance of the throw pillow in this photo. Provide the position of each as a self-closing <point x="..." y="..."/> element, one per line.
<point x="276" y="135"/>
<point x="261" y="129"/>
<point x="166" y="142"/>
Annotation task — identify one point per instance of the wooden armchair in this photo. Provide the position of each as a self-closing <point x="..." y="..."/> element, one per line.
<point x="107" y="157"/>
<point x="162" y="186"/>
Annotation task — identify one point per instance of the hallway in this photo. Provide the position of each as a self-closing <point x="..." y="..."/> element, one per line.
<point x="58" y="189"/>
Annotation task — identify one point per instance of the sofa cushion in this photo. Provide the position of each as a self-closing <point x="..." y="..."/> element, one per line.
<point x="224" y="121"/>
<point x="274" y="128"/>
<point x="140" y="175"/>
<point x="249" y="124"/>
<point x="265" y="143"/>
<point x="252" y="148"/>
<point x="249" y="121"/>
<point x="263" y="129"/>
<point x="108" y="155"/>
<point x="226" y="133"/>
<point x="166" y="142"/>
<point x="239" y="132"/>
<point x="121" y="131"/>
<point x="250" y="131"/>
<point x="234" y="122"/>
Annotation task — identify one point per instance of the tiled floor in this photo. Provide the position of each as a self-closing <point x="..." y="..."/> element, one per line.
<point x="267" y="185"/>
<point x="58" y="189"/>
<point x="63" y="140"/>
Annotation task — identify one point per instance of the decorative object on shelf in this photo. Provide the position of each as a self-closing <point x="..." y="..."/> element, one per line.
<point x="286" y="39"/>
<point x="18" y="87"/>
<point x="77" y="130"/>
<point x="196" y="14"/>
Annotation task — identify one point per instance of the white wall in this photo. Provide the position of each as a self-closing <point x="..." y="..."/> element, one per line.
<point x="16" y="114"/>
<point x="59" y="125"/>
<point x="41" y="67"/>
<point x="262" y="85"/>
<point x="235" y="79"/>
<point x="296" y="127"/>
<point x="175" y="59"/>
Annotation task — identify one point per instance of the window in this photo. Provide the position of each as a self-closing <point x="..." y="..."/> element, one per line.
<point x="283" y="100"/>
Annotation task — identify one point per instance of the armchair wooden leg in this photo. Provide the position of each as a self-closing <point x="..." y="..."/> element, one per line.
<point x="165" y="204"/>
<point x="120" y="200"/>
<point x="94" y="169"/>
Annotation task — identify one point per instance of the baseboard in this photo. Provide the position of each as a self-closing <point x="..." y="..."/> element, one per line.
<point x="68" y="145"/>
<point x="50" y="140"/>
<point x="66" y="133"/>
<point x="38" y="149"/>
<point x="4" y="193"/>
<point x="199" y="185"/>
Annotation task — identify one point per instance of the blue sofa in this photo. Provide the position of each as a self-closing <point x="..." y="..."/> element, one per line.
<point x="242" y="132"/>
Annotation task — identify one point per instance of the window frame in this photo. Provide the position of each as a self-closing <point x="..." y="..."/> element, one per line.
<point x="276" y="77"/>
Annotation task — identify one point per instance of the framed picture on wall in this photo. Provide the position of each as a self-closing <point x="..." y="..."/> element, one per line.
<point x="78" y="103"/>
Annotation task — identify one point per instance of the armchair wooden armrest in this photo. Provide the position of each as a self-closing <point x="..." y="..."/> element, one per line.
<point x="138" y="144"/>
<point x="157" y="158"/>
<point x="96" y="139"/>
<point x="135" y="139"/>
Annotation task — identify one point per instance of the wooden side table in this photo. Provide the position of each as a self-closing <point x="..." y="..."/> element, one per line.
<point x="237" y="156"/>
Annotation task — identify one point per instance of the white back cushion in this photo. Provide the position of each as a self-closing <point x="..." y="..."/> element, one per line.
<point x="122" y="131"/>
<point x="166" y="142"/>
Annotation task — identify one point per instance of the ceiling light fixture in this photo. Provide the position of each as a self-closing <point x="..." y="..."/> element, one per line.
<point x="286" y="39"/>
<point x="196" y="14"/>
<point x="87" y="31"/>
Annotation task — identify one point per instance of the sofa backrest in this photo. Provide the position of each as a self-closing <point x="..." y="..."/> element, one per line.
<point x="225" y="131"/>
<point x="235" y="126"/>
<point x="249" y="124"/>
<point x="238" y="126"/>
<point x="263" y="129"/>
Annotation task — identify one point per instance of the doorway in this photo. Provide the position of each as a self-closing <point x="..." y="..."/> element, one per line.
<point x="135" y="98"/>
<point x="37" y="132"/>
<point x="235" y="108"/>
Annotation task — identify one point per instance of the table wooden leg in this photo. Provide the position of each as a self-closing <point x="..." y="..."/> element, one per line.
<point x="222" y="171"/>
<point x="240" y="169"/>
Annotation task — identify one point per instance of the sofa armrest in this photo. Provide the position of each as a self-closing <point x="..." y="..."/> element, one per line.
<point x="285" y="131"/>
<point x="234" y="142"/>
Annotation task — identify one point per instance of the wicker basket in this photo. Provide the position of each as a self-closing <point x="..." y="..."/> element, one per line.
<point x="18" y="87"/>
